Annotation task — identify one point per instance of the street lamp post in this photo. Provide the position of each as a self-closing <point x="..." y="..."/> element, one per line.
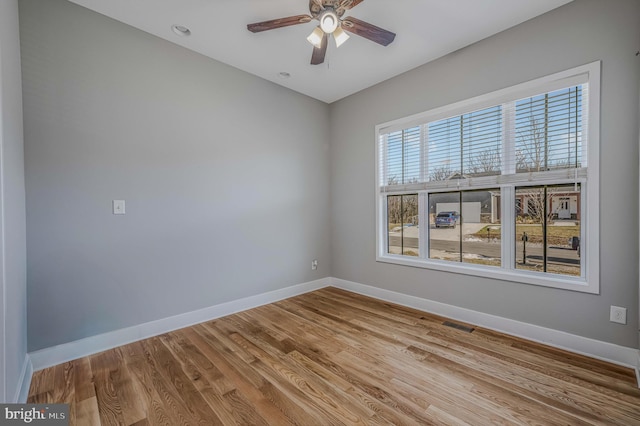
<point x="525" y="238"/>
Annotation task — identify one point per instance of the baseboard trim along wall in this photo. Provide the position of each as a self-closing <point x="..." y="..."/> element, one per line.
<point x="80" y="348"/>
<point x="22" y="392"/>
<point x="616" y="354"/>
<point x="638" y="370"/>
<point x="48" y="357"/>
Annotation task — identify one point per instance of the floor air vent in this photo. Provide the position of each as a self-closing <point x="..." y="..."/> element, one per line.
<point x="458" y="326"/>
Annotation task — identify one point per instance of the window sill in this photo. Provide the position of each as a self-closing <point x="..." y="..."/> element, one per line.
<point x="511" y="275"/>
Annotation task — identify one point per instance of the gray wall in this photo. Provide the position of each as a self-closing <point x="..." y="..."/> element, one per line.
<point x="13" y="283"/>
<point x="225" y="177"/>
<point x="580" y="32"/>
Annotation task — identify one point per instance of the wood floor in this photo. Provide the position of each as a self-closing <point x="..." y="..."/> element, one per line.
<point x="332" y="357"/>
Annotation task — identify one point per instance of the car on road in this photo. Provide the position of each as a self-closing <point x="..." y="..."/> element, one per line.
<point x="447" y="219"/>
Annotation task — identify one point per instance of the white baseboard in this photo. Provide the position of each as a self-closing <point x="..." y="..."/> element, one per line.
<point x="22" y="392"/>
<point x="638" y="371"/>
<point x="38" y="360"/>
<point x="80" y="348"/>
<point x="616" y="354"/>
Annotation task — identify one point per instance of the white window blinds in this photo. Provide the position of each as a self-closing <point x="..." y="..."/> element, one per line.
<point x="549" y="131"/>
<point x="402" y="153"/>
<point x="538" y="136"/>
<point x="465" y="145"/>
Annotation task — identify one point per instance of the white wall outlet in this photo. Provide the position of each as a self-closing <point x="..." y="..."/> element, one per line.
<point x="618" y="315"/>
<point x="118" y="206"/>
<point x="314" y="264"/>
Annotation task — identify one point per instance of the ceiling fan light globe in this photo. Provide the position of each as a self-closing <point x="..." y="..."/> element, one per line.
<point x="329" y="21"/>
<point x="315" y="37"/>
<point x="340" y="36"/>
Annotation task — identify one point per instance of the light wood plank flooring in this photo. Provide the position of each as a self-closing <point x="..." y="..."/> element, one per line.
<point x="332" y="357"/>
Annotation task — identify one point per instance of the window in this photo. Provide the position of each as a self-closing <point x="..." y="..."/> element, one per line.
<point x="548" y="233"/>
<point x="402" y="222"/>
<point x="504" y="185"/>
<point x="449" y="237"/>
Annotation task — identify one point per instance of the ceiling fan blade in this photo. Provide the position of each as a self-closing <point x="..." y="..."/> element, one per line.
<point x="350" y="4"/>
<point x="317" y="3"/>
<point x="346" y="5"/>
<point x="318" y="53"/>
<point x="278" y="23"/>
<point x="368" y="31"/>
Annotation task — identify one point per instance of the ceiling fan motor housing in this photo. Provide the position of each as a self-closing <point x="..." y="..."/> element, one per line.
<point x="317" y="7"/>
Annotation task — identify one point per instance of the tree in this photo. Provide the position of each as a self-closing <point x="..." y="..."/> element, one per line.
<point x="538" y="204"/>
<point x="485" y="163"/>
<point x="533" y="153"/>
<point x="402" y="209"/>
<point x="440" y="173"/>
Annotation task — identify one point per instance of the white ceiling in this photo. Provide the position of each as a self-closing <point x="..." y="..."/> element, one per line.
<point x="426" y="30"/>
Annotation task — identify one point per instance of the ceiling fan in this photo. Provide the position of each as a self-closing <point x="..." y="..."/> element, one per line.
<point x="329" y="14"/>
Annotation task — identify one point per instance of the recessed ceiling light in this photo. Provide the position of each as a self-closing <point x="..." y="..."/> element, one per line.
<point x="284" y="74"/>
<point x="181" y="30"/>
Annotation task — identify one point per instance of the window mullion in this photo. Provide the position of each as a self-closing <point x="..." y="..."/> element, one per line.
<point x="404" y="160"/>
<point x="462" y="124"/>
<point x="584" y="126"/>
<point x="584" y="243"/>
<point x="402" y="219"/>
<point x="545" y="221"/>
<point x="383" y="232"/>
<point x="508" y="139"/>
<point x="385" y="160"/>
<point x="423" y="214"/>
<point x="508" y="220"/>
<point x="424" y="153"/>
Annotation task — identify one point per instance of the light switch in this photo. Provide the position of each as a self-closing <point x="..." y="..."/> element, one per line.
<point x="118" y="206"/>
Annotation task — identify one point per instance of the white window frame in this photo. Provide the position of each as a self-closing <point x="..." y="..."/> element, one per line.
<point x="589" y="282"/>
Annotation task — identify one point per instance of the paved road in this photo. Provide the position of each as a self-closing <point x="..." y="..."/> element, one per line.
<point x="554" y="254"/>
